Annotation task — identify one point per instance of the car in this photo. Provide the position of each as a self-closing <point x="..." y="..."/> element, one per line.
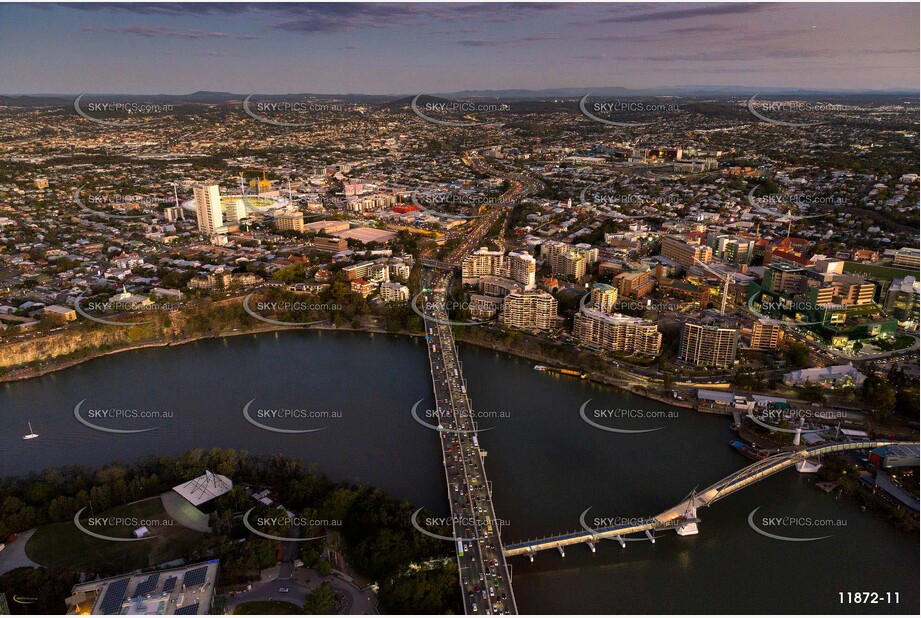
<point x="283" y="590"/>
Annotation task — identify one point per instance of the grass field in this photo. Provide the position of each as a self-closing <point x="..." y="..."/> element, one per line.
<point x="266" y="608"/>
<point x="63" y="545"/>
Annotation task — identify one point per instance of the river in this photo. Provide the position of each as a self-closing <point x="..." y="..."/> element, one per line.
<point x="547" y="465"/>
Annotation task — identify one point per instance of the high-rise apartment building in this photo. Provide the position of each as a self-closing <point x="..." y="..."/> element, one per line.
<point x="522" y="267"/>
<point x="603" y="297"/>
<point x="568" y="260"/>
<point x="708" y="346"/>
<point x="570" y="265"/>
<point x="766" y="335"/>
<point x="481" y="263"/>
<point x="208" y="210"/>
<point x="519" y="267"/>
<point x="532" y="310"/>
<point x="617" y="333"/>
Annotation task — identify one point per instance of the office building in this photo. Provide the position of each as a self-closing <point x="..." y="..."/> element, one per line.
<point x="330" y="244"/>
<point x="841" y="290"/>
<point x="293" y="221"/>
<point x="634" y="284"/>
<point x="186" y="590"/>
<point x="907" y="257"/>
<point x="685" y="251"/>
<point x="731" y="249"/>
<point x="901" y="300"/>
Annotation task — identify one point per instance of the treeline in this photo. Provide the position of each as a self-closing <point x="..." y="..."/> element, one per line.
<point x="380" y="541"/>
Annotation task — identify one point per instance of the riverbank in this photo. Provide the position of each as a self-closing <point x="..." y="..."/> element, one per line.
<point x="30" y="372"/>
<point x="374" y="329"/>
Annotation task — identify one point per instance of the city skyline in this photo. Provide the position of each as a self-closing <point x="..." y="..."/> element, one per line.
<point x="394" y="48"/>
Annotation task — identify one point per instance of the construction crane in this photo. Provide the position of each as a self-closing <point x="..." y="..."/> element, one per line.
<point x="725" y="278"/>
<point x="260" y="185"/>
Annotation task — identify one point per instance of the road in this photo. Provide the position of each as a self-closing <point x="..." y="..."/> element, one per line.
<point x="297" y="583"/>
<point x="474" y="232"/>
<point x="483" y="574"/>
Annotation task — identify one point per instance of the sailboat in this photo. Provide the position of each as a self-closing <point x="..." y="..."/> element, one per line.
<point x="31" y="434"/>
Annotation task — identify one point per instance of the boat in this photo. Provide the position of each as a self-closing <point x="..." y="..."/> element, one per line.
<point x="749" y="451"/>
<point x="563" y="372"/>
<point x="31" y="434"/>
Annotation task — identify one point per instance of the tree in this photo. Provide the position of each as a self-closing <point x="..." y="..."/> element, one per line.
<point x="797" y="355"/>
<point x="321" y="601"/>
<point x="880" y="396"/>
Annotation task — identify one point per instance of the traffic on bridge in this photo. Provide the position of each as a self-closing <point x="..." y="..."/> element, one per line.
<point x="484" y="577"/>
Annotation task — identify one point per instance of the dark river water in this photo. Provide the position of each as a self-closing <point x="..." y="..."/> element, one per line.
<point x="546" y="464"/>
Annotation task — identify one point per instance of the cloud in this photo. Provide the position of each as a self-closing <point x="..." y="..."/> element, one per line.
<point x="708" y="29"/>
<point x="323" y="17"/>
<point x="533" y="38"/>
<point x="672" y="14"/>
<point x="156" y="32"/>
<point x="161" y="8"/>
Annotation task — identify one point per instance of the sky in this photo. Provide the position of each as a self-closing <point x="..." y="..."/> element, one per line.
<point x="403" y="48"/>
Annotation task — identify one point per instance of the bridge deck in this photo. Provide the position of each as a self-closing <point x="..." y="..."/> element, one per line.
<point x="731" y="484"/>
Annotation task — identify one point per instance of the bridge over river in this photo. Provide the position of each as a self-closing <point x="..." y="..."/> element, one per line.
<point x="683" y="516"/>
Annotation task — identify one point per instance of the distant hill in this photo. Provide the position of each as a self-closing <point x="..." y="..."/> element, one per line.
<point x="396" y="101"/>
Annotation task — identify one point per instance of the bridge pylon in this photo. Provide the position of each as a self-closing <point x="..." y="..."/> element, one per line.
<point x="689" y="526"/>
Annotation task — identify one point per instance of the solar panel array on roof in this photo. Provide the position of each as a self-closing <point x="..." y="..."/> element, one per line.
<point x="195" y="577"/>
<point x="169" y="584"/>
<point x="187" y="609"/>
<point x="115" y="594"/>
<point x="147" y="586"/>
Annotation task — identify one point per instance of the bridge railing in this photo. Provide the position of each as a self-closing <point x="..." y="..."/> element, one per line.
<point x="734" y="482"/>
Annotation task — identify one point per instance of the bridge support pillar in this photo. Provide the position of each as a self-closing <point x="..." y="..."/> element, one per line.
<point x="592" y="547"/>
<point x="807" y="467"/>
<point x="689" y="526"/>
<point x="649" y="534"/>
<point x="562" y="553"/>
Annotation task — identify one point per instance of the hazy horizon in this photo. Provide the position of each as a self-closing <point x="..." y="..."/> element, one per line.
<point x="392" y="48"/>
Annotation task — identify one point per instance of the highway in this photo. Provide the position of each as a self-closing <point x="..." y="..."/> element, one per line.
<point x="482" y="572"/>
<point x="477" y="228"/>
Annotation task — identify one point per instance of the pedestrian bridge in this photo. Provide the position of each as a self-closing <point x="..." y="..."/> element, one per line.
<point x="683" y="516"/>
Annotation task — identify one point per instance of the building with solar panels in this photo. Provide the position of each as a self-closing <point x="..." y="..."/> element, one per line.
<point x="186" y="590"/>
